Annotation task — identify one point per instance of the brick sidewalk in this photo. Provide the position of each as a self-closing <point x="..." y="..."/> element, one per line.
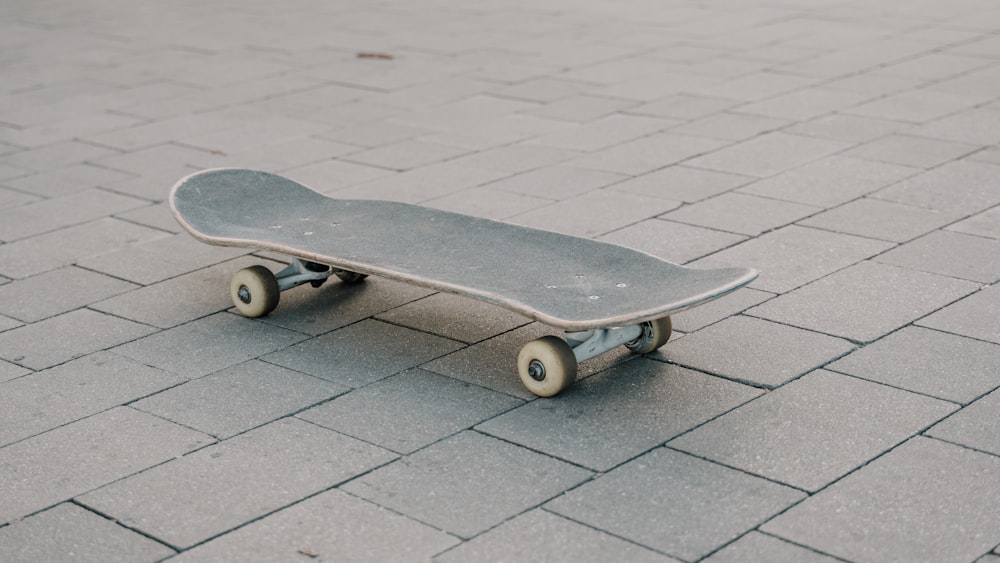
<point x="846" y="405"/>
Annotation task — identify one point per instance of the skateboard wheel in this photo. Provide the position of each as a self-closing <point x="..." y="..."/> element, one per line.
<point x="546" y="366"/>
<point x="254" y="291"/>
<point x="349" y="277"/>
<point x="655" y="333"/>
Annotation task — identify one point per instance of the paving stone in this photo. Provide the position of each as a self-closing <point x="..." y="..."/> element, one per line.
<point x="455" y="317"/>
<point x="973" y="316"/>
<point x="974" y="127"/>
<point x="927" y="361"/>
<point x="879" y="219"/>
<point x="422" y="184"/>
<point x="674" y="242"/>
<point x="512" y="159"/>
<point x="65" y="289"/>
<point x="487" y="203"/>
<point x="936" y="189"/>
<point x="239" y="398"/>
<point x="337" y="305"/>
<point x="741" y="213"/>
<point x="952" y="254"/>
<point x="847" y="128"/>
<point x="50" y="398"/>
<point x="757" y="86"/>
<point x="807" y="103"/>
<point x="406" y="155"/>
<point x="556" y="182"/>
<point x="374" y="134"/>
<point x="681" y="183"/>
<point x="67" y="180"/>
<point x="865" y="301"/>
<point x="252" y="134"/>
<point x="290" y="153"/>
<point x="160" y="259"/>
<point x="924" y="501"/>
<point x="683" y="106"/>
<point x="918" y="105"/>
<point x="731" y="126"/>
<point x="56" y="155"/>
<point x="594" y="213"/>
<point x="208" y="345"/>
<point x="331" y="524"/>
<point x="70" y="533"/>
<point x="917" y="152"/>
<point x="762" y="548"/>
<point x="163" y="131"/>
<point x="496" y="132"/>
<point x="814" y="430"/>
<point x="463" y="113"/>
<point x="793" y="256"/>
<point x="581" y="109"/>
<point x="156" y="216"/>
<point x="65" y="337"/>
<point x="603" y="133"/>
<point x="467" y="483"/>
<point x="985" y="224"/>
<point x="13" y="198"/>
<point x="406" y="412"/>
<point x="328" y="176"/>
<point x="252" y="475"/>
<point x="182" y="299"/>
<point x="541" y="535"/>
<point x="584" y="424"/>
<point x="9" y="371"/>
<point x="71" y="245"/>
<point x="674" y="503"/>
<point x="830" y="181"/>
<point x="973" y="426"/>
<point x="655" y="86"/>
<point x="55" y="466"/>
<point x="649" y="153"/>
<point x="756" y="351"/>
<point x="362" y="353"/>
<point x="768" y="154"/>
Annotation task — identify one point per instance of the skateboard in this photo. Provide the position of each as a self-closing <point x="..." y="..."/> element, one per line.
<point x="602" y="295"/>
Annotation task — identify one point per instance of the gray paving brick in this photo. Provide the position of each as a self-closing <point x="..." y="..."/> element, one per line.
<point x="681" y="183"/>
<point x="541" y="535"/>
<point x="463" y="113"/>
<point x="973" y="316"/>
<point x="332" y="524"/>
<point x="162" y="131"/>
<point x="512" y="159"/>
<point x="731" y="126"/>
<point x="404" y="412"/>
<point x="741" y="213"/>
<point x="985" y="224"/>
<point x="328" y="176"/>
<point x="831" y="181"/>
<point x="242" y="473"/>
<point x="65" y="289"/>
<point x="674" y="242"/>
<point x="467" y="483"/>
<point x="789" y="258"/>
<point x="160" y="259"/>
<point x="594" y="213"/>
<point x="753" y="350"/>
<point x="67" y="180"/>
<point x="649" y="153"/>
<point x="70" y="533"/>
<point x="683" y="106"/>
<point x="917" y="152"/>
<point x="972" y="127"/>
<point x="881" y="219"/>
<point x="422" y="184"/>
<point x="488" y="203"/>
<point x="804" y="104"/>
<point x="973" y="426"/>
<point x="156" y="216"/>
<point x="924" y="501"/>
<point x="9" y="371"/>
<point x="556" y="182"/>
<point x="239" y="398"/>
<point x="13" y="198"/>
<point x="497" y="132"/>
<point x="405" y="155"/>
<point x="768" y="154"/>
<point x="864" y="302"/>
<point x="580" y="109"/>
<point x="919" y="105"/>
<point x="603" y="133"/>
<point x="951" y="254"/>
<point x="929" y="362"/>
<point x="935" y="189"/>
<point x="65" y="337"/>
<point x="848" y="128"/>
<point x="584" y="425"/>
<point x="458" y="318"/>
<point x="68" y="461"/>
<point x="756" y="547"/>
<point x="362" y="353"/>
<point x="676" y="504"/>
<point x="757" y="86"/>
<point x="208" y="345"/>
<point x="814" y="430"/>
<point x="56" y="155"/>
<point x="60" y="248"/>
<point x="73" y="391"/>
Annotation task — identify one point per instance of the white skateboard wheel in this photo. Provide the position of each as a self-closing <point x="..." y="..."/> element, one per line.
<point x="254" y="291"/>
<point x="655" y="333"/>
<point x="546" y="366"/>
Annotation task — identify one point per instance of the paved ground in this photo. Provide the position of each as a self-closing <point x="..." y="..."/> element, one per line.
<point x="844" y="406"/>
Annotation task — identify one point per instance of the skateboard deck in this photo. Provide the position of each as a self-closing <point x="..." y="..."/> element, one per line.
<point x="567" y="282"/>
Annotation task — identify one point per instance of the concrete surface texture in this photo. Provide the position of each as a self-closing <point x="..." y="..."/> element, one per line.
<point x="845" y="406"/>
